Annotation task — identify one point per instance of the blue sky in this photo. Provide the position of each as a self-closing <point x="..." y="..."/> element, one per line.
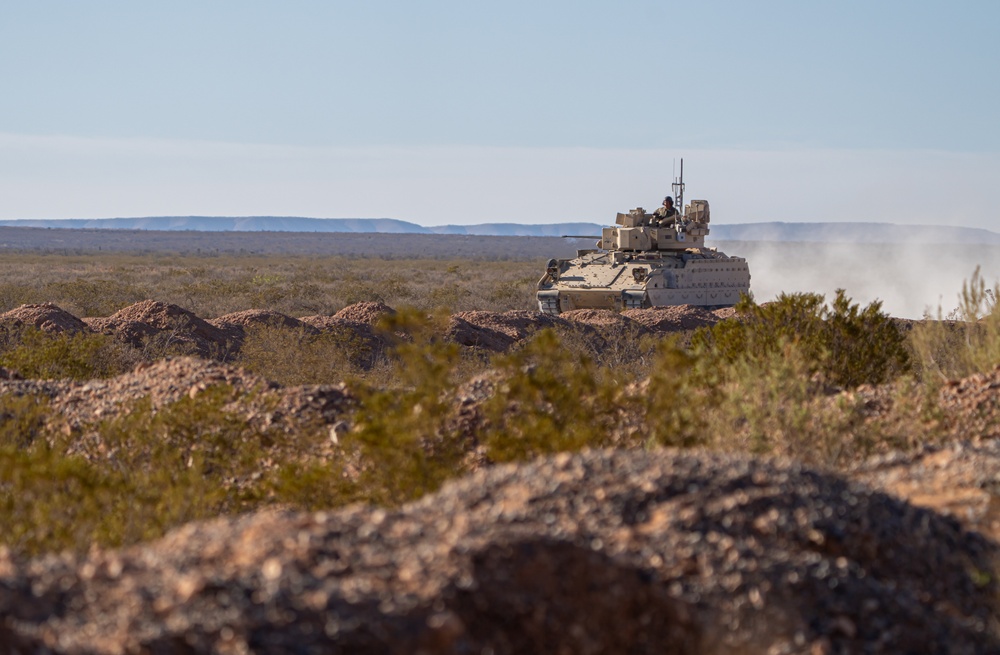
<point x="466" y="112"/>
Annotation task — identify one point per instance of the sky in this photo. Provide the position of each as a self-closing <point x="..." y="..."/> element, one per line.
<point x="469" y="112"/>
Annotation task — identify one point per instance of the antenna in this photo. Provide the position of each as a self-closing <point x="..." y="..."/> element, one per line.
<point x="678" y="188"/>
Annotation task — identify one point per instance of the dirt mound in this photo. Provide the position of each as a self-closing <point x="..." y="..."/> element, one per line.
<point x="148" y="319"/>
<point x="468" y="334"/>
<point x="235" y="325"/>
<point x="516" y="324"/>
<point x="672" y="319"/>
<point x="252" y="317"/>
<point x="365" y="312"/>
<point x="498" y="331"/>
<point x="644" y="552"/>
<point x="44" y="316"/>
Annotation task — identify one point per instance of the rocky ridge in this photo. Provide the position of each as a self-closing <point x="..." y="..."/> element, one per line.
<point x="603" y="551"/>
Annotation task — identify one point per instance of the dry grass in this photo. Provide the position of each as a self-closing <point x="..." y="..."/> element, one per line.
<point x="293" y="285"/>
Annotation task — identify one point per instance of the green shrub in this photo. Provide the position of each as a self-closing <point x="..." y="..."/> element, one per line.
<point x="140" y="473"/>
<point x="312" y="485"/>
<point x="50" y="501"/>
<point x="15" y="294"/>
<point x="22" y="419"/>
<point x="619" y="348"/>
<point x="95" y="297"/>
<point x="293" y="356"/>
<point x="773" y="404"/>
<point x="42" y="355"/>
<point x="550" y="399"/>
<point x="404" y="439"/>
<point x="678" y="398"/>
<point x="846" y="345"/>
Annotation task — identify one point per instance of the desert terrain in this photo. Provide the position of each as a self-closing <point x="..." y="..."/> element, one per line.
<point x="390" y="451"/>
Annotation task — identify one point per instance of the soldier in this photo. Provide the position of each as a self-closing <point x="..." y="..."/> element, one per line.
<point x="666" y="214"/>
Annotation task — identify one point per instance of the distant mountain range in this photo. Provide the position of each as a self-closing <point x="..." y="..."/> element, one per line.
<point x="802" y="232"/>
<point x="299" y="224"/>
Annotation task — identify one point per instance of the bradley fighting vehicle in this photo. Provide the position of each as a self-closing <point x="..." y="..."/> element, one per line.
<point x="640" y="263"/>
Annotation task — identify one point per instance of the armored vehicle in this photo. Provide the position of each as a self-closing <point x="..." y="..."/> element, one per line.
<point x="645" y="262"/>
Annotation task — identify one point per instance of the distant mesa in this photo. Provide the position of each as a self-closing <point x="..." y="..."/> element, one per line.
<point x="772" y="231"/>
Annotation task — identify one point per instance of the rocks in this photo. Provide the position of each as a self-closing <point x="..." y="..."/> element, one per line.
<point x="648" y="551"/>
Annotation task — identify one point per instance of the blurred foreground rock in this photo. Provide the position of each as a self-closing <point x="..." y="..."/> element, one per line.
<point x="600" y="552"/>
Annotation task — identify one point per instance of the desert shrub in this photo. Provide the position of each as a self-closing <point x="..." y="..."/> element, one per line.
<point x="550" y="399"/>
<point x="625" y="348"/>
<point x="381" y="284"/>
<point x="154" y="470"/>
<point x="204" y="291"/>
<point x="447" y="297"/>
<point x="845" y="344"/>
<point x="774" y="404"/>
<point x="190" y="459"/>
<point x="22" y="419"/>
<point x="677" y="398"/>
<point x="174" y="342"/>
<point x="94" y="297"/>
<point x="404" y="437"/>
<point x="554" y="398"/>
<point x="211" y="283"/>
<point x="82" y="356"/>
<point x="516" y="294"/>
<point x="312" y="485"/>
<point x="15" y="294"/>
<point x="50" y="501"/>
<point x="293" y="356"/>
<point x="965" y="342"/>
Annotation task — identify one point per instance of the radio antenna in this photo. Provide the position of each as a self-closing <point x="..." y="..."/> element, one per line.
<point x="678" y="187"/>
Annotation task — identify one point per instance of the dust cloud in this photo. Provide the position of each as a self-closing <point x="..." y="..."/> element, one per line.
<point x="911" y="280"/>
